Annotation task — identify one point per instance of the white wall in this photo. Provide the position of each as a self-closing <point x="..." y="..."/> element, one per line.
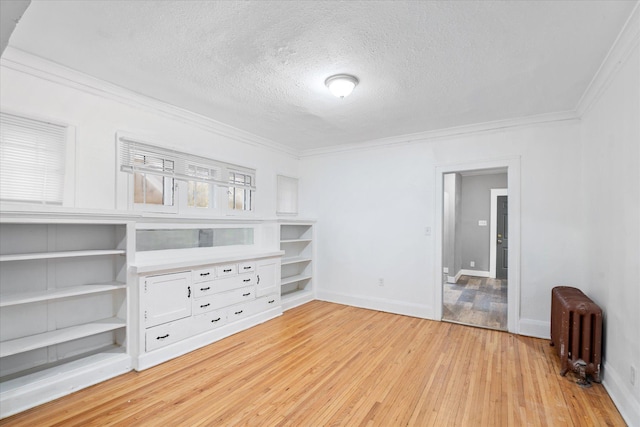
<point x="98" y="116"/>
<point x="373" y="206"/>
<point x="610" y="135"/>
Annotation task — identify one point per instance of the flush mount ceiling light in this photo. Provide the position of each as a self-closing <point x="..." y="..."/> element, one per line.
<point x="341" y="85"/>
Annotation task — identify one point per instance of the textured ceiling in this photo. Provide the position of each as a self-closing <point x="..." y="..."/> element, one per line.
<point x="260" y="65"/>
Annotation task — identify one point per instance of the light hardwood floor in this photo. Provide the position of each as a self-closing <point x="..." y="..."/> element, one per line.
<point x="325" y="364"/>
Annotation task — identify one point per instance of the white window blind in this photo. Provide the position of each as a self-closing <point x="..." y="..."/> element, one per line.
<point x="186" y="167"/>
<point x="32" y="160"/>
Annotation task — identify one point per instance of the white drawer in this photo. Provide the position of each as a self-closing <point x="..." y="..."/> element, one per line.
<point x="222" y="285"/>
<point x="270" y="301"/>
<point x="223" y="299"/>
<point x="240" y="311"/>
<point x="226" y="270"/>
<point x="165" y="334"/>
<point x="246" y="267"/>
<point x="207" y="321"/>
<point x="203" y="305"/>
<point x="203" y="274"/>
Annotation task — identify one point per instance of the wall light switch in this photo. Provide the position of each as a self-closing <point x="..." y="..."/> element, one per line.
<point x="482" y="223"/>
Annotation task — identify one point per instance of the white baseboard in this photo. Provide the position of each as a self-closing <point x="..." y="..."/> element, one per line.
<point x="451" y="279"/>
<point x="534" y="328"/>
<point x="476" y="273"/>
<point x="390" y="306"/>
<point x="622" y="395"/>
<point x="26" y="392"/>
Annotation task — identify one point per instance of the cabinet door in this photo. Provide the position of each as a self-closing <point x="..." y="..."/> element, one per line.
<point x="166" y="298"/>
<point x="268" y="276"/>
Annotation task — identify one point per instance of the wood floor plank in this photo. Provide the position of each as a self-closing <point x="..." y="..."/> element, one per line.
<point x="333" y="365"/>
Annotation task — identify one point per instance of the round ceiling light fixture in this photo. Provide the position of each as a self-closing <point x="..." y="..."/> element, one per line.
<point x="341" y="85"/>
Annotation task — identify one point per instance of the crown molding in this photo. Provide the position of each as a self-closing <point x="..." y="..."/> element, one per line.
<point x="627" y="40"/>
<point x="18" y="60"/>
<point x="432" y="135"/>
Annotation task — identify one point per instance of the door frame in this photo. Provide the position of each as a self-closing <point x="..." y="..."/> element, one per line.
<point x="512" y="164"/>
<point x="493" y="229"/>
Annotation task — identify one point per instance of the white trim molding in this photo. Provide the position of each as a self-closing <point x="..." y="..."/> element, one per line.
<point x="512" y="164"/>
<point x="535" y="328"/>
<point x="475" y="273"/>
<point x="626" y="403"/>
<point x="381" y="304"/>
<point x="18" y="60"/>
<point x="620" y="51"/>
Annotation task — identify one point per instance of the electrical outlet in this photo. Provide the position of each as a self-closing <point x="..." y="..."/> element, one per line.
<point x="632" y="375"/>
<point x="445" y="269"/>
<point x="472" y="263"/>
<point x="381" y="282"/>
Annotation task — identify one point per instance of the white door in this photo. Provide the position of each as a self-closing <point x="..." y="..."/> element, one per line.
<point x="166" y="298"/>
<point x="268" y="276"/>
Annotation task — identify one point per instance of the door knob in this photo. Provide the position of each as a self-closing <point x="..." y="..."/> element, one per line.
<point x="499" y="241"/>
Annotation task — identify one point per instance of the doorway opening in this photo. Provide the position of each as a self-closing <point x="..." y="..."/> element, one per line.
<point x="477" y="258"/>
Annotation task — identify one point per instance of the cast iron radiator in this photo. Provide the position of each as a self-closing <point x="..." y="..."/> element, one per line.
<point x="576" y="332"/>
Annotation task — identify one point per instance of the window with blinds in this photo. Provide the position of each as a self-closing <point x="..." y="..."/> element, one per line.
<point x="32" y="160"/>
<point x="160" y="172"/>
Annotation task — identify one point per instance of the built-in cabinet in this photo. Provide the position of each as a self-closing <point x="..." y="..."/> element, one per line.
<point x="79" y="304"/>
<point x="296" y="240"/>
<point x="184" y="310"/>
<point x="63" y="307"/>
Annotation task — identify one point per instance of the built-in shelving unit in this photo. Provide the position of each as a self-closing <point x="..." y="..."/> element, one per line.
<point x="296" y="240"/>
<point x="63" y="293"/>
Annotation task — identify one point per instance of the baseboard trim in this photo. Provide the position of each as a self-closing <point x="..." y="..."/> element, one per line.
<point x="422" y="311"/>
<point x="534" y="328"/>
<point x="475" y="273"/>
<point x="622" y="396"/>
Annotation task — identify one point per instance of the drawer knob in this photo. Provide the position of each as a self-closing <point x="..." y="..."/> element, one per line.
<point x="205" y="289"/>
<point x="215" y="320"/>
<point x="205" y="274"/>
<point x="247" y="268"/>
<point x="205" y="305"/>
<point x="247" y="294"/>
<point x="228" y="270"/>
<point x="163" y="337"/>
<point x="239" y="312"/>
<point x="246" y="280"/>
<point x="272" y="301"/>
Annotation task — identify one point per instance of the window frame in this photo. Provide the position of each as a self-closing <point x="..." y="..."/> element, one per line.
<point x="218" y="183"/>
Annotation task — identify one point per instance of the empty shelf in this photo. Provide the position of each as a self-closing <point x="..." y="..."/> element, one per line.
<point x="32" y="342"/>
<point x="71" y="291"/>
<point x="64" y="254"/>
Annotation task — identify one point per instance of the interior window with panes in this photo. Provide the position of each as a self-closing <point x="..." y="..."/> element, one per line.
<point x="240" y="199"/>
<point x="151" y="188"/>
<point x="200" y="190"/>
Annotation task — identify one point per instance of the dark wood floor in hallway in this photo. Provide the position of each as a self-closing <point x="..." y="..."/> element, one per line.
<point x="326" y="364"/>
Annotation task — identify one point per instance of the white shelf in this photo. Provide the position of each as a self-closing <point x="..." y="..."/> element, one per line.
<point x="65" y="254"/>
<point x="296" y="293"/>
<point x="293" y="279"/>
<point x="295" y="260"/>
<point x="71" y="291"/>
<point x="32" y="342"/>
<point x="295" y="240"/>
